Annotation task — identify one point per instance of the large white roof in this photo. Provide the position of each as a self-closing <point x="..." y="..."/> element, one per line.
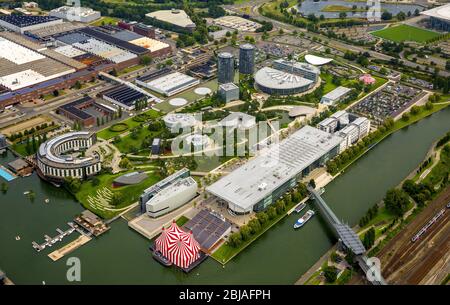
<point x="441" y="12"/>
<point x="177" y="17"/>
<point x="259" y="177"/>
<point x="316" y="60"/>
<point x="276" y="79"/>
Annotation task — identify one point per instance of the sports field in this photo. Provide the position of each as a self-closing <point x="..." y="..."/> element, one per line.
<point x="405" y="32"/>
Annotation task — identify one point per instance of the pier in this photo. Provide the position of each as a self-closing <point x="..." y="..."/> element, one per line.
<point x="50" y="241"/>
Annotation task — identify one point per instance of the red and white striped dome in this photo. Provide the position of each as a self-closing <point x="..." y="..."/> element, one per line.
<point x="178" y="246"/>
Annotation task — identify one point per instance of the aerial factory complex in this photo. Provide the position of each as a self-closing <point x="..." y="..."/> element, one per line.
<point x="225" y="142"/>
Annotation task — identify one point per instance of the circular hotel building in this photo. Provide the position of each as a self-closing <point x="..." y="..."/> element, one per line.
<point x="277" y="82"/>
<point x="58" y="159"/>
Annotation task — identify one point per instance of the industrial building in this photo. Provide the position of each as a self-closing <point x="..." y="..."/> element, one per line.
<point x="277" y="82"/>
<point x="237" y="23"/>
<point x="228" y="92"/>
<point x="55" y="163"/>
<point x="21" y="24"/>
<point x="167" y="82"/>
<point x="22" y="67"/>
<point x="85" y="111"/>
<point x="138" y="28"/>
<point x="3" y="143"/>
<point x="177" y="18"/>
<point x="183" y="193"/>
<point x="106" y="51"/>
<point x="439" y="17"/>
<point x="225" y="65"/>
<point x="78" y="14"/>
<point x="124" y="96"/>
<point x="247" y="59"/>
<point x="335" y="96"/>
<point x="262" y="180"/>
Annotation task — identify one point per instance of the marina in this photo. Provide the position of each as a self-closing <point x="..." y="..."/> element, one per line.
<point x="50" y="241"/>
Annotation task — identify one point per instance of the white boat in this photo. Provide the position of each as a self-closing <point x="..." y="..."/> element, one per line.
<point x="302" y="220"/>
<point x="300" y="207"/>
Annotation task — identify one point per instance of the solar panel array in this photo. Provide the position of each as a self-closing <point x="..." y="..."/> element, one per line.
<point x="207" y="228"/>
<point x="114" y="41"/>
<point x="124" y="95"/>
<point x="73" y="108"/>
<point x="24" y="21"/>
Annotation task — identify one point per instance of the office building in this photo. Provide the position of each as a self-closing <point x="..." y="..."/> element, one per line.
<point x="78" y="14"/>
<point x="228" y="92"/>
<point x="225" y="66"/>
<point x="335" y="96"/>
<point x="439" y="17"/>
<point x="247" y="59"/>
<point x="21" y="24"/>
<point x="303" y="69"/>
<point x="56" y="161"/>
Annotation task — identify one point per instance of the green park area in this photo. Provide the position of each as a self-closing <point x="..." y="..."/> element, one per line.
<point x="406" y="32"/>
<point x="105" y="21"/>
<point x="334" y="8"/>
<point x="99" y="196"/>
<point x="128" y="124"/>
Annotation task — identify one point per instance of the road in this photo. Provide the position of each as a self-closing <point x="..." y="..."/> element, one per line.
<point x="336" y="44"/>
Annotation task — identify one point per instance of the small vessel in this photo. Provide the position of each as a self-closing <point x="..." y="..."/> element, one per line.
<point x="161" y="258"/>
<point x="47" y="200"/>
<point x="17" y="237"/>
<point x="302" y="220"/>
<point x="26" y="193"/>
<point x="300" y="207"/>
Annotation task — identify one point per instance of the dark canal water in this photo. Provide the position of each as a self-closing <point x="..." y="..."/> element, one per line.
<point x="280" y="256"/>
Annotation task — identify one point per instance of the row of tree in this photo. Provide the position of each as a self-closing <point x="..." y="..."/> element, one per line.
<point x="263" y="218"/>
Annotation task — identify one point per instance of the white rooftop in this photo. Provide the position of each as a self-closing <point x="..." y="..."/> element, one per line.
<point x="238" y="120"/>
<point x="172" y="82"/>
<point x="150" y="44"/>
<point x="259" y="177"/>
<point x="104" y="50"/>
<point x="69" y="51"/>
<point x="317" y="60"/>
<point x="337" y="93"/>
<point x="16" y="53"/>
<point x="441" y="12"/>
<point x="177" y="17"/>
<point x="273" y="78"/>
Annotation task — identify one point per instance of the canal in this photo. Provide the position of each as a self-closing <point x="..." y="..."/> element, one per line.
<point x="280" y="256"/>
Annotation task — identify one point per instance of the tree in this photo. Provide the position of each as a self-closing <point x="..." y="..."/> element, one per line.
<point x="254" y="225"/>
<point x="429" y="105"/>
<point x="55" y="93"/>
<point x="262" y="217"/>
<point x="312" y="183"/>
<point x="146" y="60"/>
<point x="330" y="274"/>
<point x="95" y="181"/>
<point x="271" y="212"/>
<point x="396" y="201"/>
<point x="245" y="232"/>
<point x="405" y="117"/>
<point x="125" y="163"/>
<point x="235" y="240"/>
<point x="369" y="238"/>
<point x="72" y="184"/>
<point x="116" y="198"/>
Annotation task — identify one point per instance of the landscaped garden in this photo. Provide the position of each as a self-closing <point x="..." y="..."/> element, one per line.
<point x="128" y="124"/>
<point x="98" y="195"/>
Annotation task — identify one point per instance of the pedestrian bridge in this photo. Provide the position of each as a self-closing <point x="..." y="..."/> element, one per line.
<point x="346" y="236"/>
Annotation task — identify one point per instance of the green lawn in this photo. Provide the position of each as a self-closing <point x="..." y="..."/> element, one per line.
<point x="405" y="32"/>
<point x="130" y="193"/>
<point x="107" y="134"/>
<point x="105" y="20"/>
<point x="128" y="144"/>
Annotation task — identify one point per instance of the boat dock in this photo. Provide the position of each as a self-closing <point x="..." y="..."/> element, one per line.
<point x="50" y="241"/>
<point x="301" y="202"/>
<point x="72" y="246"/>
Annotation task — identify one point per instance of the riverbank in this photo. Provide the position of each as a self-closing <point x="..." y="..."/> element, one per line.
<point x="314" y="271"/>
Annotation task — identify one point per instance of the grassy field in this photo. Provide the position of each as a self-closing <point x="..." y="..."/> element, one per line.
<point x="130" y="193"/>
<point x="405" y="32"/>
<point x="341" y="8"/>
<point x="128" y="144"/>
<point x="105" y="20"/>
<point x="107" y="134"/>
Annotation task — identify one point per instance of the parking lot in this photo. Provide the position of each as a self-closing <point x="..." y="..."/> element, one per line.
<point x="389" y="102"/>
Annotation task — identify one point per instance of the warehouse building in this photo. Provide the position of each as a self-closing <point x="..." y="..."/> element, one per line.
<point x="78" y="14"/>
<point x="138" y="28"/>
<point x="167" y="82"/>
<point x="335" y="96"/>
<point x="261" y="181"/>
<point x="21" y="24"/>
<point x="55" y="163"/>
